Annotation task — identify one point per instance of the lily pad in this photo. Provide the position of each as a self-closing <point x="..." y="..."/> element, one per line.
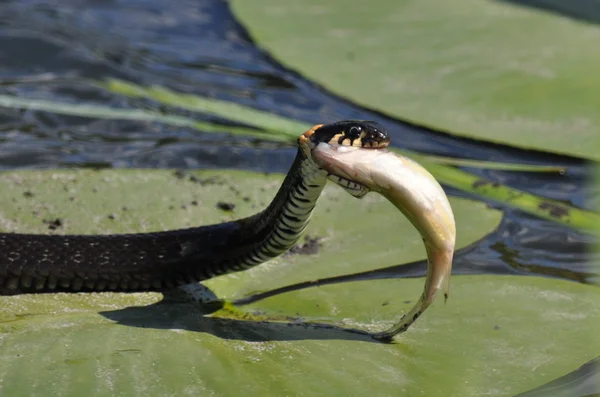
<point x="496" y="335"/>
<point x="478" y="68"/>
<point x="485" y="341"/>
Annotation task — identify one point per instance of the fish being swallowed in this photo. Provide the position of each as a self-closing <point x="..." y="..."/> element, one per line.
<point x="417" y="194"/>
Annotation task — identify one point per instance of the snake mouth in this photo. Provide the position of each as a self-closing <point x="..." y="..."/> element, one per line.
<point x="349" y="134"/>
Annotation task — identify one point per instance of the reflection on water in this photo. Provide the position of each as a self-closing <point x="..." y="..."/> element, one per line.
<point x="49" y="49"/>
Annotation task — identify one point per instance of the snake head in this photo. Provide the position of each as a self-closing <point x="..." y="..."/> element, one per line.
<point x="355" y="133"/>
<point x="358" y="133"/>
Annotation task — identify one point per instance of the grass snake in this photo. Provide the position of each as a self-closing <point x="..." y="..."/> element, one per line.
<point x="351" y="153"/>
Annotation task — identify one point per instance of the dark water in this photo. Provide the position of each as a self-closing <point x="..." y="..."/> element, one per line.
<point x="49" y="49"/>
<point x="582" y="10"/>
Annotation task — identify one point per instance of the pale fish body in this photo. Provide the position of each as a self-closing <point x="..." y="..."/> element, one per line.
<point x="416" y="193"/>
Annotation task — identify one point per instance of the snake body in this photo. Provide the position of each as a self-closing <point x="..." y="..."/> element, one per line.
<point x="33" y="263"/>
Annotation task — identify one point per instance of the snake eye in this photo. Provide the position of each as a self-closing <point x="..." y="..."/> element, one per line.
<point x="354" y="132"/>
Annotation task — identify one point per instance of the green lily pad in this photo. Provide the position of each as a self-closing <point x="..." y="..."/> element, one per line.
<point x="495" y="335"/>
<point x="478" y="68"/>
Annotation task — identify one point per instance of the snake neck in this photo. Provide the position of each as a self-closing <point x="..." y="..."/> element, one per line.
<point x="282" y="223"/>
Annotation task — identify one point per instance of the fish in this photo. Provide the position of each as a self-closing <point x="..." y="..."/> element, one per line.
<point x="418" y="195"/>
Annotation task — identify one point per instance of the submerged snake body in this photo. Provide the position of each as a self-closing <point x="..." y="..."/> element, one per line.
<point x="154" y="261"/>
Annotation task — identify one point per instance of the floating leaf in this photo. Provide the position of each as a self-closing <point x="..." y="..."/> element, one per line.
<point x="485" y="69"/>
<point x="496" y="335"/>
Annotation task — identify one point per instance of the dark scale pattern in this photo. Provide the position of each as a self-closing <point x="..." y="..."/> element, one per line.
<point x="113" y="262"/>
<point x="149" y="261"/>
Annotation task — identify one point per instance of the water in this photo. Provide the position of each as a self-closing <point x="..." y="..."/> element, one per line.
<point x="49" y="50"/>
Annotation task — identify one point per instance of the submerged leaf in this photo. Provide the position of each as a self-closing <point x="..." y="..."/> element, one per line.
<point x="279" y="126"/>
<point x="543" y="207"/>
<point x="488" y="165"/>
<point x="107" y="112"/>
